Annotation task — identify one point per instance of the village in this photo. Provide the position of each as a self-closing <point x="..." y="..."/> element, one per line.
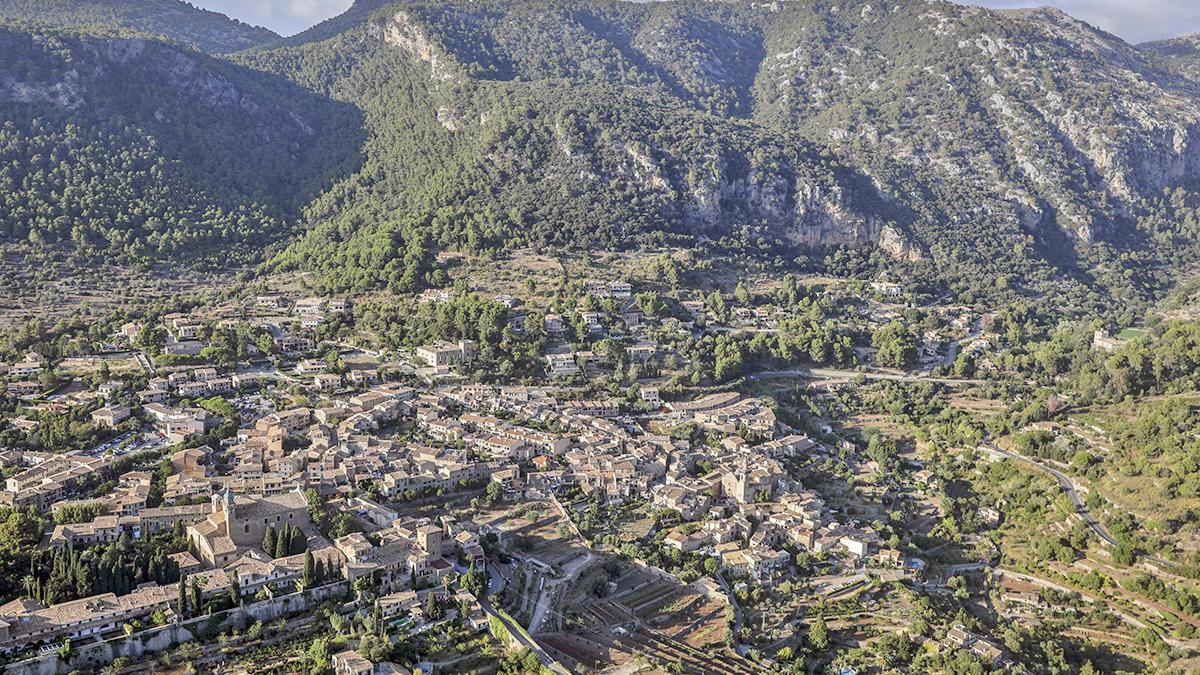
<point x="389" y="479"/>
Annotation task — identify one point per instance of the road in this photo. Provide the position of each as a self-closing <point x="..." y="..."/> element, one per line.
<point x="547" y="591"/>
<point x="144" y="361"/>
<point x="1068" y="486"/>
<point x="737" y="608"/>
<point x="952" y="350"/>
<point x="835" y="374"/>
<point x="1044" y="583"/>
<point x="1072" y="490"/>
<point x="519" y="633"/>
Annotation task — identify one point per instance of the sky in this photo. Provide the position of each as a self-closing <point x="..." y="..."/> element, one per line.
<point x="286" y="17"/>
<point x="1134" y="20"/>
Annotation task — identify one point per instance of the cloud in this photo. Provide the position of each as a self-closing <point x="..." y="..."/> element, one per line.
<point x="286" y="17"/>
<point x="1134" y="20"/>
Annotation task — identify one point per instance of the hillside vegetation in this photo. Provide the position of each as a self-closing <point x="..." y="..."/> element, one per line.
<point x="182" y="21"/>
<point x="136" y="146"/>
<point x="991" y="152"/>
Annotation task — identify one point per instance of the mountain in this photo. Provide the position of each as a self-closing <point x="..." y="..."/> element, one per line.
<point x="131" y="145"/>
<point x="467" y="158"/>
<point x="1020" y="143"/>
<point x="207" y="31"/>
<point x="1182" y="54"/>
<point x="976" y="149"/>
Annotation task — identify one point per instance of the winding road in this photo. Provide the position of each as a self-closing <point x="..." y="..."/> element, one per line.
<point x="1072" y="490"/>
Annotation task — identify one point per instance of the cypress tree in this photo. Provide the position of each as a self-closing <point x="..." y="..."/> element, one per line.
<point x="183" y="600"/>
<point x="310" y="570"/>
<point x="268" y="542"/>
<point x="197" y="595"/>
<point x="281" y="543"/>
<point x="433" y="609"/>
<point x="298" y="543"/>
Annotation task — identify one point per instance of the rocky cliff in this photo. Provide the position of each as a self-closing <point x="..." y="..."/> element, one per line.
<point x="1006" y="142"/>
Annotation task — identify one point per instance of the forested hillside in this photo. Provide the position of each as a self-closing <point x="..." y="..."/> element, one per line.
<point x="995" y="151"/>
<point x="202" y="29"/>
<point x="142" y="148"/>
<point x="1021" y="145"/>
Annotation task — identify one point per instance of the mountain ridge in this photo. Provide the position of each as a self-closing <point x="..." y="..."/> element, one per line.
<point x="1000" y="145"/>
<point x="203" y="29"/>
<point x="126" y="141"/>
<point x="1038" y="165"/>
<point x="1181" y="53"/>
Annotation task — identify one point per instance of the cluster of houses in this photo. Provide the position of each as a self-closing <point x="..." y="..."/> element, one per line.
<point x="22" y="377"/>
<point x="960" y="637"/>
<point x="192" y="383"/>
<point x="271" y="311"/>
<point x="45" y="479"/>
<point x="744" y="510"/>
<point x="727" y="412"/>
<point x="736" y="501"/>
<point x="407" y="559"/>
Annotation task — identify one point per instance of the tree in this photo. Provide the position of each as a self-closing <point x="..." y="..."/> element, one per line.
<point x="309" y="575"/>
<point x="895" y="344"/>
<point x="433" y="608"/>
<point x="818" y="635"/>
<point x="377" y="618"/>
<point x="197" y="595"/>
<point x="283" y="541"/>
<point x="117" y="666"/>
<point x="183" y="596"/>
<point x="475" y="581"/>
<point x="298" y="543"/>
<point x="729" y="358"/>
<point x="492" y="493"/>
<point x="374" y="648"/>
<point x="1124" y="554"/>
<point x="895" y="649"/>
<point x="742" y="294"/>
<point x="318" y="656"/>
<point x="269" y="541"/>
<point x="959" y="584"/>
<point x="716" y="304"/>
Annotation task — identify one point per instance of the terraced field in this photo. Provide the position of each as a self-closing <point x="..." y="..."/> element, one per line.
<point x="648" y="617"/>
